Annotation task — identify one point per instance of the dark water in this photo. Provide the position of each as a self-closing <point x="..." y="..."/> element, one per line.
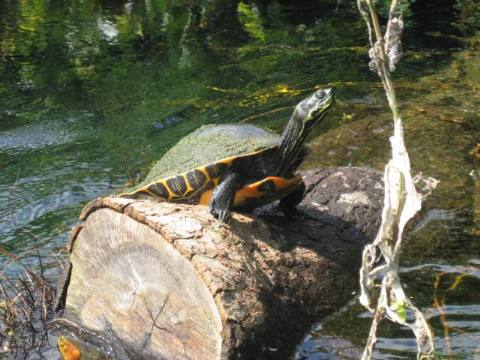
<point x="93" y="92"/>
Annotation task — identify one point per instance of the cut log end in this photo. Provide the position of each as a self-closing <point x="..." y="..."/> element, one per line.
<point x="127" y="278"/>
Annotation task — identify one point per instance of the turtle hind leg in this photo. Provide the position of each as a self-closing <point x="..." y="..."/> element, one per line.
<point x="288" y="203"/>
<point x="223" y="196"/>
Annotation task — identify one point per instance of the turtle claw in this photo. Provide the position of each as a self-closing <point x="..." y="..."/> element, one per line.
<point x="223" y="196"/>
<point x="221" y="214"/>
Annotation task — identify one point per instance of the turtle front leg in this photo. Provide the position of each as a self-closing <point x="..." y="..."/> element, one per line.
<point x="288" y="203"/>
<point x="223" y="196"/>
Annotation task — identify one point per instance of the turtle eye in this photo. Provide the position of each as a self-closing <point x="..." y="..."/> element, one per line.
<point x="323" y="94"/>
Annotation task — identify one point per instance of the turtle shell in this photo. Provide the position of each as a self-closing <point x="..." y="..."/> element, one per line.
<point x="190" y="171"/>
<point x="208" y="145"/>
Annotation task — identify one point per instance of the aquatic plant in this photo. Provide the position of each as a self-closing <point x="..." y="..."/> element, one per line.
<point x="26" y="307"/>
<point x="27" y="297"/>
<point x="401" y="201"/>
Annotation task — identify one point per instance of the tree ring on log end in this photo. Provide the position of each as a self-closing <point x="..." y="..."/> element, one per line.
<point x="127" y="278"/>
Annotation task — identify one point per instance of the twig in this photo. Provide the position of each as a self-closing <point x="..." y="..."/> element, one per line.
<point x="372" y="335"/>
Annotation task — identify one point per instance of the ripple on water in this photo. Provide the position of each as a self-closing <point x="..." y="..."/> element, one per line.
<point x="35" y="136"/>
<point x="328" y="348"/>
<point x="453" y="317"/>
<point x="38" y="196"/>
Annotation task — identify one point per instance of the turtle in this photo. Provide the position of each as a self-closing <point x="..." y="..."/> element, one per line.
<point x="226" y="177"/>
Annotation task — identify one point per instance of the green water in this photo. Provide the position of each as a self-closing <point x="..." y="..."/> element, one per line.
<point x="93" y="92"/>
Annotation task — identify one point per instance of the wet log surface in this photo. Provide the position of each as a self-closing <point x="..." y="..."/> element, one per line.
<point x="171" y="283"/>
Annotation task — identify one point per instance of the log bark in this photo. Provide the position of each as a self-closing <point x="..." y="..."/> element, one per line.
<point x="171" y="283"/>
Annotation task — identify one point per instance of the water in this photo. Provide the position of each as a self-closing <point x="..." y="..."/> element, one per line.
<point x="93" y="92"/>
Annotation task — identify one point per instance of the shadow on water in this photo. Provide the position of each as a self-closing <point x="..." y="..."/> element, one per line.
<point x="93" y="92"/>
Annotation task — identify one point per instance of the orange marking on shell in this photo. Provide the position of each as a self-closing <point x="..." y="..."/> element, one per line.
<point x="172" y="197"/>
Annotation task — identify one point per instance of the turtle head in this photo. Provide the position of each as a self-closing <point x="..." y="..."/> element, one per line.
<point x="311" y="110"/>
<point x="308" y="113"/>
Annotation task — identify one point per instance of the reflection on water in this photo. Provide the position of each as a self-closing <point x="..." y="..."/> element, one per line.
<point x="93" y="92"/>
<point x="453" y="312"/>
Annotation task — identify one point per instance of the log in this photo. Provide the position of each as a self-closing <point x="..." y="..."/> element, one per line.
<point x="171" y="283"/>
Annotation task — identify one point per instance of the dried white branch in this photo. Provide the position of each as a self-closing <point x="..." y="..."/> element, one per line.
<point x="401" y="201"/>
<point x="393" y="34"/>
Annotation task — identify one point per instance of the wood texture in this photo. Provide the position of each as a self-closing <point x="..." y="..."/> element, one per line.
<point x="172" y="283"/>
